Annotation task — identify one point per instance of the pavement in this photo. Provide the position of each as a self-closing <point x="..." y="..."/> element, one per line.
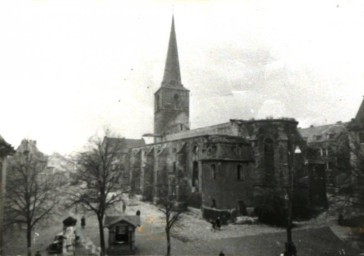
<point x="193" y="236"/>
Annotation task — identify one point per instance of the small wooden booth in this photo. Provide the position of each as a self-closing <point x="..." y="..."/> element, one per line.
<point x="121" y="234"/>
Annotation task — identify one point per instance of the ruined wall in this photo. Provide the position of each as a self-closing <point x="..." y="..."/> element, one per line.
<point x="220" y="129"/>
<point x="227" y="173"/>
<point x="147" y="181"/>
<point x="225" y="187"/>
<point x="273" y="141"/>
<point x="160" y="172"/>
<point x="183" y="166"/>
<point x="135" y="170"/>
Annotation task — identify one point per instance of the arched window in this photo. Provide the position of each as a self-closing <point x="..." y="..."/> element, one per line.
<point x="195" y="174"/>
<point x="177" y="101"/>
<point x="195" y="149"/>
<point x="240" y="172"/>
<point x="174" y="167"/>
<point x="213" y="171"/>
<point x="269" y="160"/>
<point x="361" y="137"/>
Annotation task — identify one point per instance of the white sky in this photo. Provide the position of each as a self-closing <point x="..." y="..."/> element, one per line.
<point x="68" y="68"/>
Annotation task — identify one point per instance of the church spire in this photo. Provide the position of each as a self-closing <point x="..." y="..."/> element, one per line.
<point x="172" y="74"/>
<point x="360" y="115"/>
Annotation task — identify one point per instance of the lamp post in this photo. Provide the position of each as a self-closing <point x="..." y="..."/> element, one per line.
<point x="290" y="247"/>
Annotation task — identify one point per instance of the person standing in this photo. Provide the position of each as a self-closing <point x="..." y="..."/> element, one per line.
<point x="124" y="206"/>
<point x="83" y="222"/>
<point x="213" y="225"/>
<point x="218" y="223"/>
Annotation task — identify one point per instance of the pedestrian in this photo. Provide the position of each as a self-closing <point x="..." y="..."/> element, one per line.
<point x="83" y="222"/>
<point x="221" y="253"/>
<point x="213" y="225"/>
<point x="137" y="213"/>
<point x="124" y="206"/>
<point x="213" y="204"/>
<point x="218" y="223"/>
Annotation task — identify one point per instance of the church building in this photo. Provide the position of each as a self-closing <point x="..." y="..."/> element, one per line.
<point x="224" y="168"/>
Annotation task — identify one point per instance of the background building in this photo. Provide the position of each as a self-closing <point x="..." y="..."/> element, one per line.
<point x="5" y="150"/>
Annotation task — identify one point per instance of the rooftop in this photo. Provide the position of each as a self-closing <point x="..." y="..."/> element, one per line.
<point x="111" y="220"/>
<point x="323" y="132"/>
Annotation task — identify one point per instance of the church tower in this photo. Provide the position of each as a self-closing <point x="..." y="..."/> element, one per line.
<point x="171" y="100"/>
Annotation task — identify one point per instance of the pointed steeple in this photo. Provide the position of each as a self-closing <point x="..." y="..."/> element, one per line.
<point x="172" y="74"/>
<point x="360" y="115"/>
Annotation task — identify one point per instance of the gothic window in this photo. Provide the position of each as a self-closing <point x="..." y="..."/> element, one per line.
<point x="195" y="149"/>
<point x="269" y="159"/>
<point x="240" y="172"/>
<point x="213" y="171"/>
<point x="174" y="167"/>
<point x="177" y="101"/>
<point x="236" y="150"/>
<point x="239" y="150"/>
<point x="211" y="150"/>
<point x="361" y="137"/>
<point x="195" y="174"/>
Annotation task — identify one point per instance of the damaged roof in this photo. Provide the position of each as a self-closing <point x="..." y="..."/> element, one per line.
<point x="125" y="144"/>
<point x="319" y="133"/>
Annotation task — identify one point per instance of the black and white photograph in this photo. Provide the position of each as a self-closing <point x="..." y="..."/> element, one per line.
<point x="182" y="127"/>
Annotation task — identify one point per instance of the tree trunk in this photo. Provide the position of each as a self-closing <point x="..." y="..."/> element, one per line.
<point x="29" y="240"/>
<point x="168" y="242"/>
<point x="102" y="237"/>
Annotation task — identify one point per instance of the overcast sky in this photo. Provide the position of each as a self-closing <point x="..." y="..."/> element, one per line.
<point x="68" y="68"/>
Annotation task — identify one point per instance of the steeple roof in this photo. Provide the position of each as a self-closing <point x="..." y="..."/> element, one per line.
<point x="360" y="115"/>
<point x="172" y="74"/>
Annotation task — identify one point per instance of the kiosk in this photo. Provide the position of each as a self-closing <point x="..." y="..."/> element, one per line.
<point x="121" y="234"/>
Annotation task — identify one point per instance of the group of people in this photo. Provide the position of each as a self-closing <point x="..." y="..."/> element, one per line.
<point x="216" y="224"/>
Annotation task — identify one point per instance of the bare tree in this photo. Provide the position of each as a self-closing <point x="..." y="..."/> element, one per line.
<point x="349" y="194"/>
<point x="172" y="211"/>
<point x="30" y="193"/>
<point x="99" y="175"/>
<point x="356" y="191"/>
